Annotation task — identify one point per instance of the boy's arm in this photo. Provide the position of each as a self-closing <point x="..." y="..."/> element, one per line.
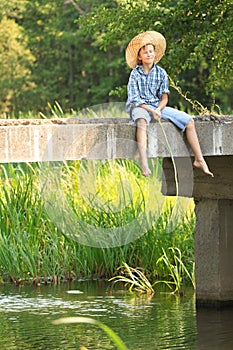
<point x="157" y="112"/>
<point x="163" y="102"/>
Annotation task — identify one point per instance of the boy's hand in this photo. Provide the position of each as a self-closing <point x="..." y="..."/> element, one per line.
<point x="157" y="114"/>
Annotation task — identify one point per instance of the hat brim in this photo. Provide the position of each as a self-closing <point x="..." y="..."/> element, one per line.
<point x="142" y="39"/>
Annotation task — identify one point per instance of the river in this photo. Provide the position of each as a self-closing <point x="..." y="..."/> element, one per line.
<point x="143" y="323"/>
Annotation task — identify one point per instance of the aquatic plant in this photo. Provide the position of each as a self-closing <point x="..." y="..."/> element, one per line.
<point x="176" y="269"/>
<point x="112" y="335"/>
<point x="134" y="278"/>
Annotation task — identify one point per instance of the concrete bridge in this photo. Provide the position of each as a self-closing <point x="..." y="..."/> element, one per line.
<point x="33" y="140"/>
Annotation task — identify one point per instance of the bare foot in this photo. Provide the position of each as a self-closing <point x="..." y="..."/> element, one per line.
<point x="201" y="164"/>
<point x="146" y="171"/>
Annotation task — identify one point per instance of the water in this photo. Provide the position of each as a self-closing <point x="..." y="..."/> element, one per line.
<point x="161" y="322"/>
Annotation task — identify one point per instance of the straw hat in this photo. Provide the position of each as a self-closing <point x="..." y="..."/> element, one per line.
<point x="148" y="37"/>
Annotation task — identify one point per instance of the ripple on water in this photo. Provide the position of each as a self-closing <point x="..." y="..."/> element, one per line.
<point x="160" y="322"/>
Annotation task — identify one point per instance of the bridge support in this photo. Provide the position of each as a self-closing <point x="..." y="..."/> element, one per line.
<point x="214" y="229"/>
<point x="214" y="251"/>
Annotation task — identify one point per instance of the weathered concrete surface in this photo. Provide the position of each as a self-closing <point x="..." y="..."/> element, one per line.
<point x="213" y="251"/>
<point x="193" y="183"/>
<point x="214" y="225"/>
<point x="72" y="138"/>
<point x="63" y="139"/>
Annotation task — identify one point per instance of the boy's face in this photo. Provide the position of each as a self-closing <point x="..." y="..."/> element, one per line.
<point x="147" y="54"/>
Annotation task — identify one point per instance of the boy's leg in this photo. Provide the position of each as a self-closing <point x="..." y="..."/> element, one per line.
<point x="141" y="136"/>
<point x="186" y="123"/>
<point x="192" y="138"/>
<point x="142" y="118"/>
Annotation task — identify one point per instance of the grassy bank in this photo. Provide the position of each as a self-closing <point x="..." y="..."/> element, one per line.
<point x="33" y="247"/>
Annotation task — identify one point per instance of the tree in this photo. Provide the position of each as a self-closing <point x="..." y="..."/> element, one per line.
<point x="198" y="35"/>
<point x="12" y="9"/>
<point x="72" y="51"/>
<point x="69" y="66"/>
<point x="15" y="61"/>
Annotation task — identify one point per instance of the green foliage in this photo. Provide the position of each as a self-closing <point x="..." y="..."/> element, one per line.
<point x="112" y="335"/>
<point x="208" y="56"/>
<point x="73" y="51"/>
<point x="200" y="50"/>
<point x="15" y="62"/>
<point x="134" y="278"/>
<point x="176" y="269"/>
<point x="33" y="248"/>
<point x="12" y="9"/>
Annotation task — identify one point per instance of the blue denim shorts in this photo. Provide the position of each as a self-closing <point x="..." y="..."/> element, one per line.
<point x="179" y="118"/>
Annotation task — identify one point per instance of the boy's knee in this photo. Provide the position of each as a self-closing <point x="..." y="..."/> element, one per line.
<point x="142" y="123"/>
<point x="190" y="124"/>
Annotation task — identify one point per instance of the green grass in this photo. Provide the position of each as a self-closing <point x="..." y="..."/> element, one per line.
<point x="33" y="248"/>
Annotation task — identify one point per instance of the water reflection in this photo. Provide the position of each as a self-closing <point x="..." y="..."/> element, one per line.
<point x="161" y="322"/>
<point x="215" y="329"/>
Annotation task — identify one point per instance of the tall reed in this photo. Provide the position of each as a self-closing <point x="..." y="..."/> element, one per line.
<point x="33" y="248"/>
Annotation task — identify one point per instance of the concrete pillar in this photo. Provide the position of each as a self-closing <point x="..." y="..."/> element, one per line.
<point x="214" y="251"/>
<point x="213" y="243"/>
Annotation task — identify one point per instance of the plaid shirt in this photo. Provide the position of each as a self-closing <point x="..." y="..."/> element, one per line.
<point x="148" y="89"/>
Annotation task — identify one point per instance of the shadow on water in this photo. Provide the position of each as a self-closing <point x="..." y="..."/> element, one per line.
<point x="142" y="322"/>
<point x="214" y="329"/>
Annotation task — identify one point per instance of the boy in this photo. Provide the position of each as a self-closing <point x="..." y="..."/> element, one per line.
<point x="148" y="96"/>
